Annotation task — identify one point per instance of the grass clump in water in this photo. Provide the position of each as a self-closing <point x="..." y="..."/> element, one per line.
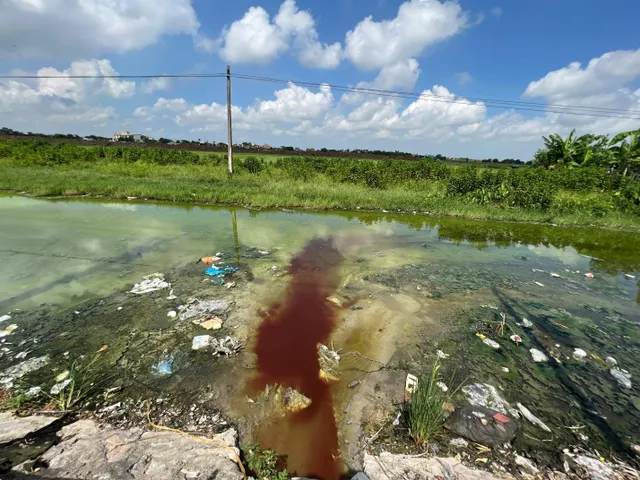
<point x="264" y="463"/>
<point x="427" y="406"/>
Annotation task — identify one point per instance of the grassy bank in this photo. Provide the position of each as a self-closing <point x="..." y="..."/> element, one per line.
<point x="585" y="197"/>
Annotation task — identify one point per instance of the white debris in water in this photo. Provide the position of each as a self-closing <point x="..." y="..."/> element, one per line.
<point x="526" y="413"/>
<point x="555" y="275"/>
<point x="151" y="283"/>
<point x="622" y="376"/>
<point x="9" y="330"/>
<point x="539" y="284"/>
<point x="442" y="386"/>
<point x="491" y="343"/>
<point x="21" y="369"/>
<point x="201" y="342"/>
<point x="594" y="467"/>
<point x="486" y="395"/>
<point x="33" y="392"/>
<point x="629" y="276"/>
<point x="172" y="314"/>
<point x="527" y="323"/>
<point x="612" y="362"/>
<point x="579" y="354"/>
<point x="58" y="387"/>
<point x="526" y="464"/>
<point x="538" y="356"/>
<point x="119" y="308"/>
<point x="21" y="355"/>
<point x="4" y="318"/>
<point x="441" y="355"/>
<point x="171" y="295"/>
<point x="505" y="369"/>
<point x="197" y="308"/>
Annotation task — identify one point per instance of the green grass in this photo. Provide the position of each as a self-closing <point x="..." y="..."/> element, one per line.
<point x="426" y="407"/>
<point x="271" y="188"/>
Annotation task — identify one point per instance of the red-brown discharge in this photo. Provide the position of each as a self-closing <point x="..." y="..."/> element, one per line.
<point x="287" y="354"/>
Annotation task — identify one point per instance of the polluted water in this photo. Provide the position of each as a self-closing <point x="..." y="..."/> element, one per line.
<point x="287" y="355"/>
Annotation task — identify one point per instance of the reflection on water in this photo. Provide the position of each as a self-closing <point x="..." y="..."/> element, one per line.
<point x="67" y="251"/>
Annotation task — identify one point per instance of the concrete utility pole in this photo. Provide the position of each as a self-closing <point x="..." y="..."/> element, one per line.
<point x="229" y="128"/>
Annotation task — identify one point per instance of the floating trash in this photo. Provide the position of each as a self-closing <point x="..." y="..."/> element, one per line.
<point x="4" y="318"/>
<point x="622" y="376"/>
<point x="538" y="356"/>
<point x="526" y="413"/>
<point x="516" y="339"/>
<point x="329" y="361"/>
<point x="579" y="354"/>
<point x="612" y="362"/>
<point x="491" y="343"/>
<point x="151" y="283"/>
<point x="588" y="275"/>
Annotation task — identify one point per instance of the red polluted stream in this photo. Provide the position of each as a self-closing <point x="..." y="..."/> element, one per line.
<point x="287" y="354"/>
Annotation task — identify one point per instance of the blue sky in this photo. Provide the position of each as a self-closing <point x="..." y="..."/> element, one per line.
<point x="579" y="53"/>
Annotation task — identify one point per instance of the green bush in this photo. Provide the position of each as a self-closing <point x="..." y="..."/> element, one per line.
<point x="251" y="165"/>
<point x="264" y="463"/>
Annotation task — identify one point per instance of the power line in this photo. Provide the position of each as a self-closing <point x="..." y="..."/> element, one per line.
<point x="491" y="103"/>
<point x="65" y="77"/>
<point x="601" y="112"/>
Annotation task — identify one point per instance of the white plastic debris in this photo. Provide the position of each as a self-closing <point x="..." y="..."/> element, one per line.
<point x="21" y="369"/>
<point x="119" y="308"/>
<point x="458" y="443"/>
<point x="612" y="362"/>
<point x="410" y="384"/>
<point x="579" y="354"/>
<point x="594" y="467"/>
<point x="555" y="275"/>
<point x="526" y="464"/>
<point x="622" y="376"/>
<point x="201" y="342"/>
<point x="526" y="413"/>
<point x="197" y="308"/>
<point x="21" y="355"/>
<point x="441" y="355"/>
<point x="539" y="284"/>
<point x="58" y="387"/>
<point x="4" y="318"/>
<point x="538" y="356"/>
<point x="588" y="275"/>
<point x="491" y="343"/>
<point x="442" y="386"/>
<point x="517" y="339"/>
<point x="505" y="369"/>
<point x="629" y="276"/>
<point x="9" y="330"/>
<point x="151" y="283"/>
<point x="171" y="295"/>
<point x="172" y="314"/>
<point x="33" y="392"/>
<point x="486" y="395"/>
<point x="527" y="323"/>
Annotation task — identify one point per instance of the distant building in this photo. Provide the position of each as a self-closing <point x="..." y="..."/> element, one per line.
<point x="137" y="138"/>
<point x="116" y="137"/>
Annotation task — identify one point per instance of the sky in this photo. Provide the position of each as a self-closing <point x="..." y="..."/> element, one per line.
<point x="455" y="58"/>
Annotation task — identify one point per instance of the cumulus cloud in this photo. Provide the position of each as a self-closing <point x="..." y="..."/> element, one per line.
<point x="162" y="106"/>
<point x="70" y="28"/>
<point x="496" y="12"/>
<point x="401" y="75"/>
<point x="418" y="24"/>
<point x="155" y="84"/>
<point x="259" y="39"/>
<point x="603" y="83"/>
<point x="49" y="102"/>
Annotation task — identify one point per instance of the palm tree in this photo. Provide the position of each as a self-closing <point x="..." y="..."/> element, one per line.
<point x="625" y="148"/>
<point x="574" y="151"/>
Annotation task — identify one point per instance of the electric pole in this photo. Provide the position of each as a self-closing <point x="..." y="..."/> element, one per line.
<point x="229" y="128"/>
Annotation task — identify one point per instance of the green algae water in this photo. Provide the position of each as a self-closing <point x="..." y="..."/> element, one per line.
<point x="414" y="284"/>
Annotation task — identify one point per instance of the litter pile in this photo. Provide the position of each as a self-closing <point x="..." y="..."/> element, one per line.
<point x="195" y="308"/>
<point x="151" y="283"/>
<point x="228" y="346"/>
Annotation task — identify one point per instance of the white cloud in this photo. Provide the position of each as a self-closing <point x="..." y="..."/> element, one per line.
<point x="162" y="106"/>
<point x="258" y="39"/>
<point x="401" y="75"/>
<point x="496" y="12"/>
<point x="464" y="78"/>
<point x="44" y="104"/>
<point x="155" y="84"/>
<point x="603" y="74"/>
<point x="69" y="28"/>
<point x="293" y="104"/>
<point x="603" y="83"/>
<point x="77" y="89"/>
<point x="252" y="39"/>
<point x="418" y="24"/>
